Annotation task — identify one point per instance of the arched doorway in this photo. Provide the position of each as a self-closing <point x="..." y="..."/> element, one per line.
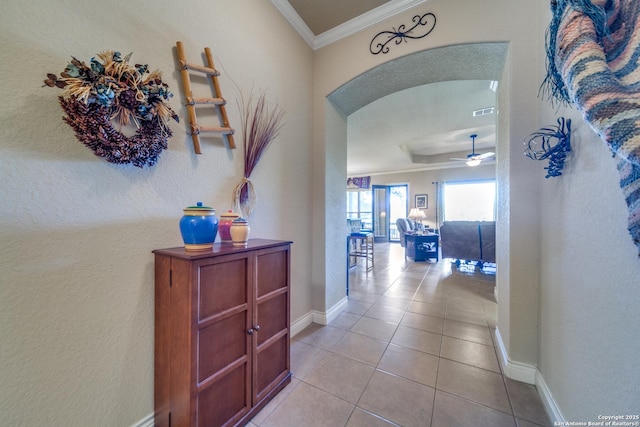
<point x="472" y="61"/>
<point x="517" y="68"/>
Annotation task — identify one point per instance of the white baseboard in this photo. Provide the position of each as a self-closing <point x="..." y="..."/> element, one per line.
<point x="318" y="317"/>
<point x="145" y="422"/>
<point x="515" y="370"/>
<point x="299" y="325"/>
<point x="332" y="313"/>
<point x="550" y="404"/>
<point x="531" y="375"/>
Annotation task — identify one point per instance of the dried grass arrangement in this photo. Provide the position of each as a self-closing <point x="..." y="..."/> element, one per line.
<point x="111" y="90"/>
<point x="261" y="124"/>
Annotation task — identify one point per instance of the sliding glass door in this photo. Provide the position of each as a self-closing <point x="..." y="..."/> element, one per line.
<point x="390" y="202"/>
<point x="380" y="213"/>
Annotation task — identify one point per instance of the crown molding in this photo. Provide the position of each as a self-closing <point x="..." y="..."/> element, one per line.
<point x="294" y="19"/>
<point x="350" y="27"/>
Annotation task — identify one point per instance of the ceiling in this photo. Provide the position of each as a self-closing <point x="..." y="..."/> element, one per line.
<point x="324" y="15"/>
<point x="418" y="127"/>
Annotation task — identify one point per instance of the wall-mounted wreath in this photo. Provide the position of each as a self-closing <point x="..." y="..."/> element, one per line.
<point x="107" y="92"/>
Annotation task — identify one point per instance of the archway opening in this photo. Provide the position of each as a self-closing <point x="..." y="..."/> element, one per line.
<point x="473" y="61"/>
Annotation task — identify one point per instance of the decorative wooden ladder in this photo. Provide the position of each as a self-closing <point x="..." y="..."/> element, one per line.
<point x="217" y="100"/>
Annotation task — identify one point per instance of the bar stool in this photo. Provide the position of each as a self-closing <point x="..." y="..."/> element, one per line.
<point x="361" y="246"/>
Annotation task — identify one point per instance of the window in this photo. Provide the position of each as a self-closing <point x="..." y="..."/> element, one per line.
<point x="470" y="201"/>
<point x="359" y="206"/>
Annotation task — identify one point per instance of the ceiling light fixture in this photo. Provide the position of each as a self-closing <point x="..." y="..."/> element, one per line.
<point x="473" y="162"/>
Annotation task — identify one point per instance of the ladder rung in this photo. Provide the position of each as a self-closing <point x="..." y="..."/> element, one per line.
<point x="219" y="129"/>
<point x="216" y="101"/>
<point x="189" y="66"/>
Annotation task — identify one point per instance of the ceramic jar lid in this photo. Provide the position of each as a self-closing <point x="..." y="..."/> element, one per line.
<point x="239" y="221"/>
<point x="199" y="210"/>
<point x="229" y="215"/>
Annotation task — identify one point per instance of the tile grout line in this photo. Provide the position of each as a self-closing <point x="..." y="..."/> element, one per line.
<point x="388" y="285"/>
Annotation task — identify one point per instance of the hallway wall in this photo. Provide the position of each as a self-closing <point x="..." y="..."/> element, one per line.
<point x="589" y="276"/>
<point x="76" y="233"/>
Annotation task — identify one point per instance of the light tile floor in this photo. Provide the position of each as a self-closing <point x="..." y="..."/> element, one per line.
<point x="414" y="347"/>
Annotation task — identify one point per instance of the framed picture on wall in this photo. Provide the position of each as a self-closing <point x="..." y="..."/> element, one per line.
<point x="422" y="201"/>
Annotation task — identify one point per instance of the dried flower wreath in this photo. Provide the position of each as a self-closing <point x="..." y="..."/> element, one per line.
<point x="112" y="90"/>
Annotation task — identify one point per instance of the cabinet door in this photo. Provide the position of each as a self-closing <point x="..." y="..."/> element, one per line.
<point x="224" y="314"/>
<point x="271" y="320"/>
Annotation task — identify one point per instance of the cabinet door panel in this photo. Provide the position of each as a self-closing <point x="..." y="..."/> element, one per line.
<point x="272" y="316"/>
<point x="223" y="401"/>
<point x="272" y="364"/>
<point x="221" y="344"/>
<point x="223" y="286"/>
<point x="272" y="271"/>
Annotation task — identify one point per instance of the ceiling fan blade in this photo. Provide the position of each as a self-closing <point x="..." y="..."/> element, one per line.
<point x="459" y="159"/>
<point x="485" y="155"/>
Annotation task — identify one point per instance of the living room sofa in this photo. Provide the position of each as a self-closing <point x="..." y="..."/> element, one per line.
<point x="469" y="240"/>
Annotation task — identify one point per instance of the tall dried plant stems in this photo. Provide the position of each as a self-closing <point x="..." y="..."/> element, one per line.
<point x="261" y="124"/>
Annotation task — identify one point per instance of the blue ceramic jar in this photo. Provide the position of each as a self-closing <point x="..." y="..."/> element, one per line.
<point x="199" y="227"/>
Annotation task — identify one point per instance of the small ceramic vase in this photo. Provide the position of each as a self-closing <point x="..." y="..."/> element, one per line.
<point x="224" y="225"/>
<point x="199" y="227"/>
<point x="239" y="232"/>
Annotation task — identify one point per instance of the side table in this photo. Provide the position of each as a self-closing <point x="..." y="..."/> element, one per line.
<point x="420" y="247"/>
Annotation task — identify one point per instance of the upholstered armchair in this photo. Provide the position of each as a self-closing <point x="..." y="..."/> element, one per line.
<point x="403" y="225"/>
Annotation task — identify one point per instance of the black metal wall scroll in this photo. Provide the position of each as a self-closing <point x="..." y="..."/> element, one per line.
<point x="382" y="39"/>
<point x="545" y="150"/>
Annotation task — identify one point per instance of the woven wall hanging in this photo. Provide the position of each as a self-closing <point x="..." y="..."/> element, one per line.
<point x="593" y="53"/>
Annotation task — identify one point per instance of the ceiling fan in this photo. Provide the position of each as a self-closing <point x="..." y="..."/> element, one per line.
<point x="473" y="158"/>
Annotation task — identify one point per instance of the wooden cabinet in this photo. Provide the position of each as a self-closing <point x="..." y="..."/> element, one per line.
<point x="221" y="332"/>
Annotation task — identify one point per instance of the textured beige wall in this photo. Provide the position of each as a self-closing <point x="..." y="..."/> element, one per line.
<point x="589" y="281"/>
<point x="76" y="233"/>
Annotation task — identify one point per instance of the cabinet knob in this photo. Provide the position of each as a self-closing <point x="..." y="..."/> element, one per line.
<point x="250" y="331"/>
<point x="256" y="328"/>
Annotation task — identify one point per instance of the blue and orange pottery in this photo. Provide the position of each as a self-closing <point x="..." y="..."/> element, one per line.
<point x="199" y="227"/>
